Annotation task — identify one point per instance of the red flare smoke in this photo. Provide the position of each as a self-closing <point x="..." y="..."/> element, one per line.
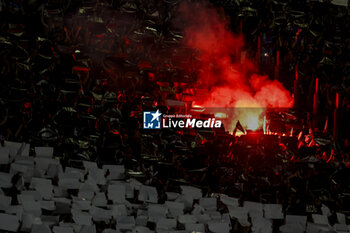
<point x="222" y="72"/>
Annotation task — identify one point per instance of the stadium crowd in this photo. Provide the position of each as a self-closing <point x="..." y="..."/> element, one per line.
<point x="75" y="78"/>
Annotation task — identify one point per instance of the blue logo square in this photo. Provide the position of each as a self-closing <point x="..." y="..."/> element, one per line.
<point x="151" y="120"/>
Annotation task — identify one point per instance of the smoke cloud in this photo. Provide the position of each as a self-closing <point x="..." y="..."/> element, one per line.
<point x="227" y="79"/>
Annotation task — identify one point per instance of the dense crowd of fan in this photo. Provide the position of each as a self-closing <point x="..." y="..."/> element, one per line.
<point x="312" y="38"/>
<point x="76" y="76"/>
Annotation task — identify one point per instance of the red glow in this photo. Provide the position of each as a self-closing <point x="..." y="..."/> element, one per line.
<point x="144" y="64"/>
<point x="224" y="76"/>
<point x="27" y="105"/>
<point x="316" y="86"/>
<point x="127" y="41"/>
<point x="180" y="132"/>
<point x="257" y="56"/>
<point x="297" y="34"/>
<point x="162" y="84"/>
<point x="115" y="132"/>
<point x="78" y="68"/>
<point x="337" y="101"/>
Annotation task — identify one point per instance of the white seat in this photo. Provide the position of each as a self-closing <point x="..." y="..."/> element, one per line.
<point x="53" y="170"/>
<point x="273" y="211"/>
<point x="186" y="199"/>
<point x="294" y="223"/>
<point x="43" y="163"/>
<point x="81" y="204"/>
<point x="119" y="210"/>
<point x="172" y="196"/>
<point x="42" y="228"/>
<point x="5" y="180"/>
<point x="260" y="224"/>
<point x="26" y="170"/>
<point x="60" y="229"/>
<point x="9" y="222"/>
<point x="4" y="155"/>
<point x="99" y="200"/>
<point x="82" y="218"/>
<point x="184" y="219"/>
<point x="13" y="147"/>
<point x="125" y="222"/>
<point x="28" y="220"/>
<point x="255" y="209"/>
<point x="141" y="229"/>
<point x="193" y="227"/>
<point x="148" y="194"/>
<point x="97" y="175"/>
<point x="110" y="231"/>
<point x="194" y="192"/>
<point x="129" y="189"/>
<point x="166" y="224"/>
<point x="316" y="228"/>
<point x="5" y="202"/>
<point x="15" y="210"/>
<point x="99" y="214"/>
<point x="203" y="218"/>
<point x="296" y="219"/>
<point x="88" y="164"/>
<point x="219" y="227"/>
<point x="29" y="204"/>
<point x="87" y="229"/>
<point x="240" y="213"/>
<point x="115" y="171"/>
<point x="208" y="203"/>
<point x="47" y="205"/>
<point x="156" y="212"/>
<point x="341" y="227"/>
<point x="50" y="220"/>
<point x="292" y="228"/>
<point x="46" y="152"/>
<point x="87" y="190"/>
<point x="175" y="208"/>
<point x="320" y="219"/>
<point x="341" y="218"/>
<point x="116" y="193"/>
